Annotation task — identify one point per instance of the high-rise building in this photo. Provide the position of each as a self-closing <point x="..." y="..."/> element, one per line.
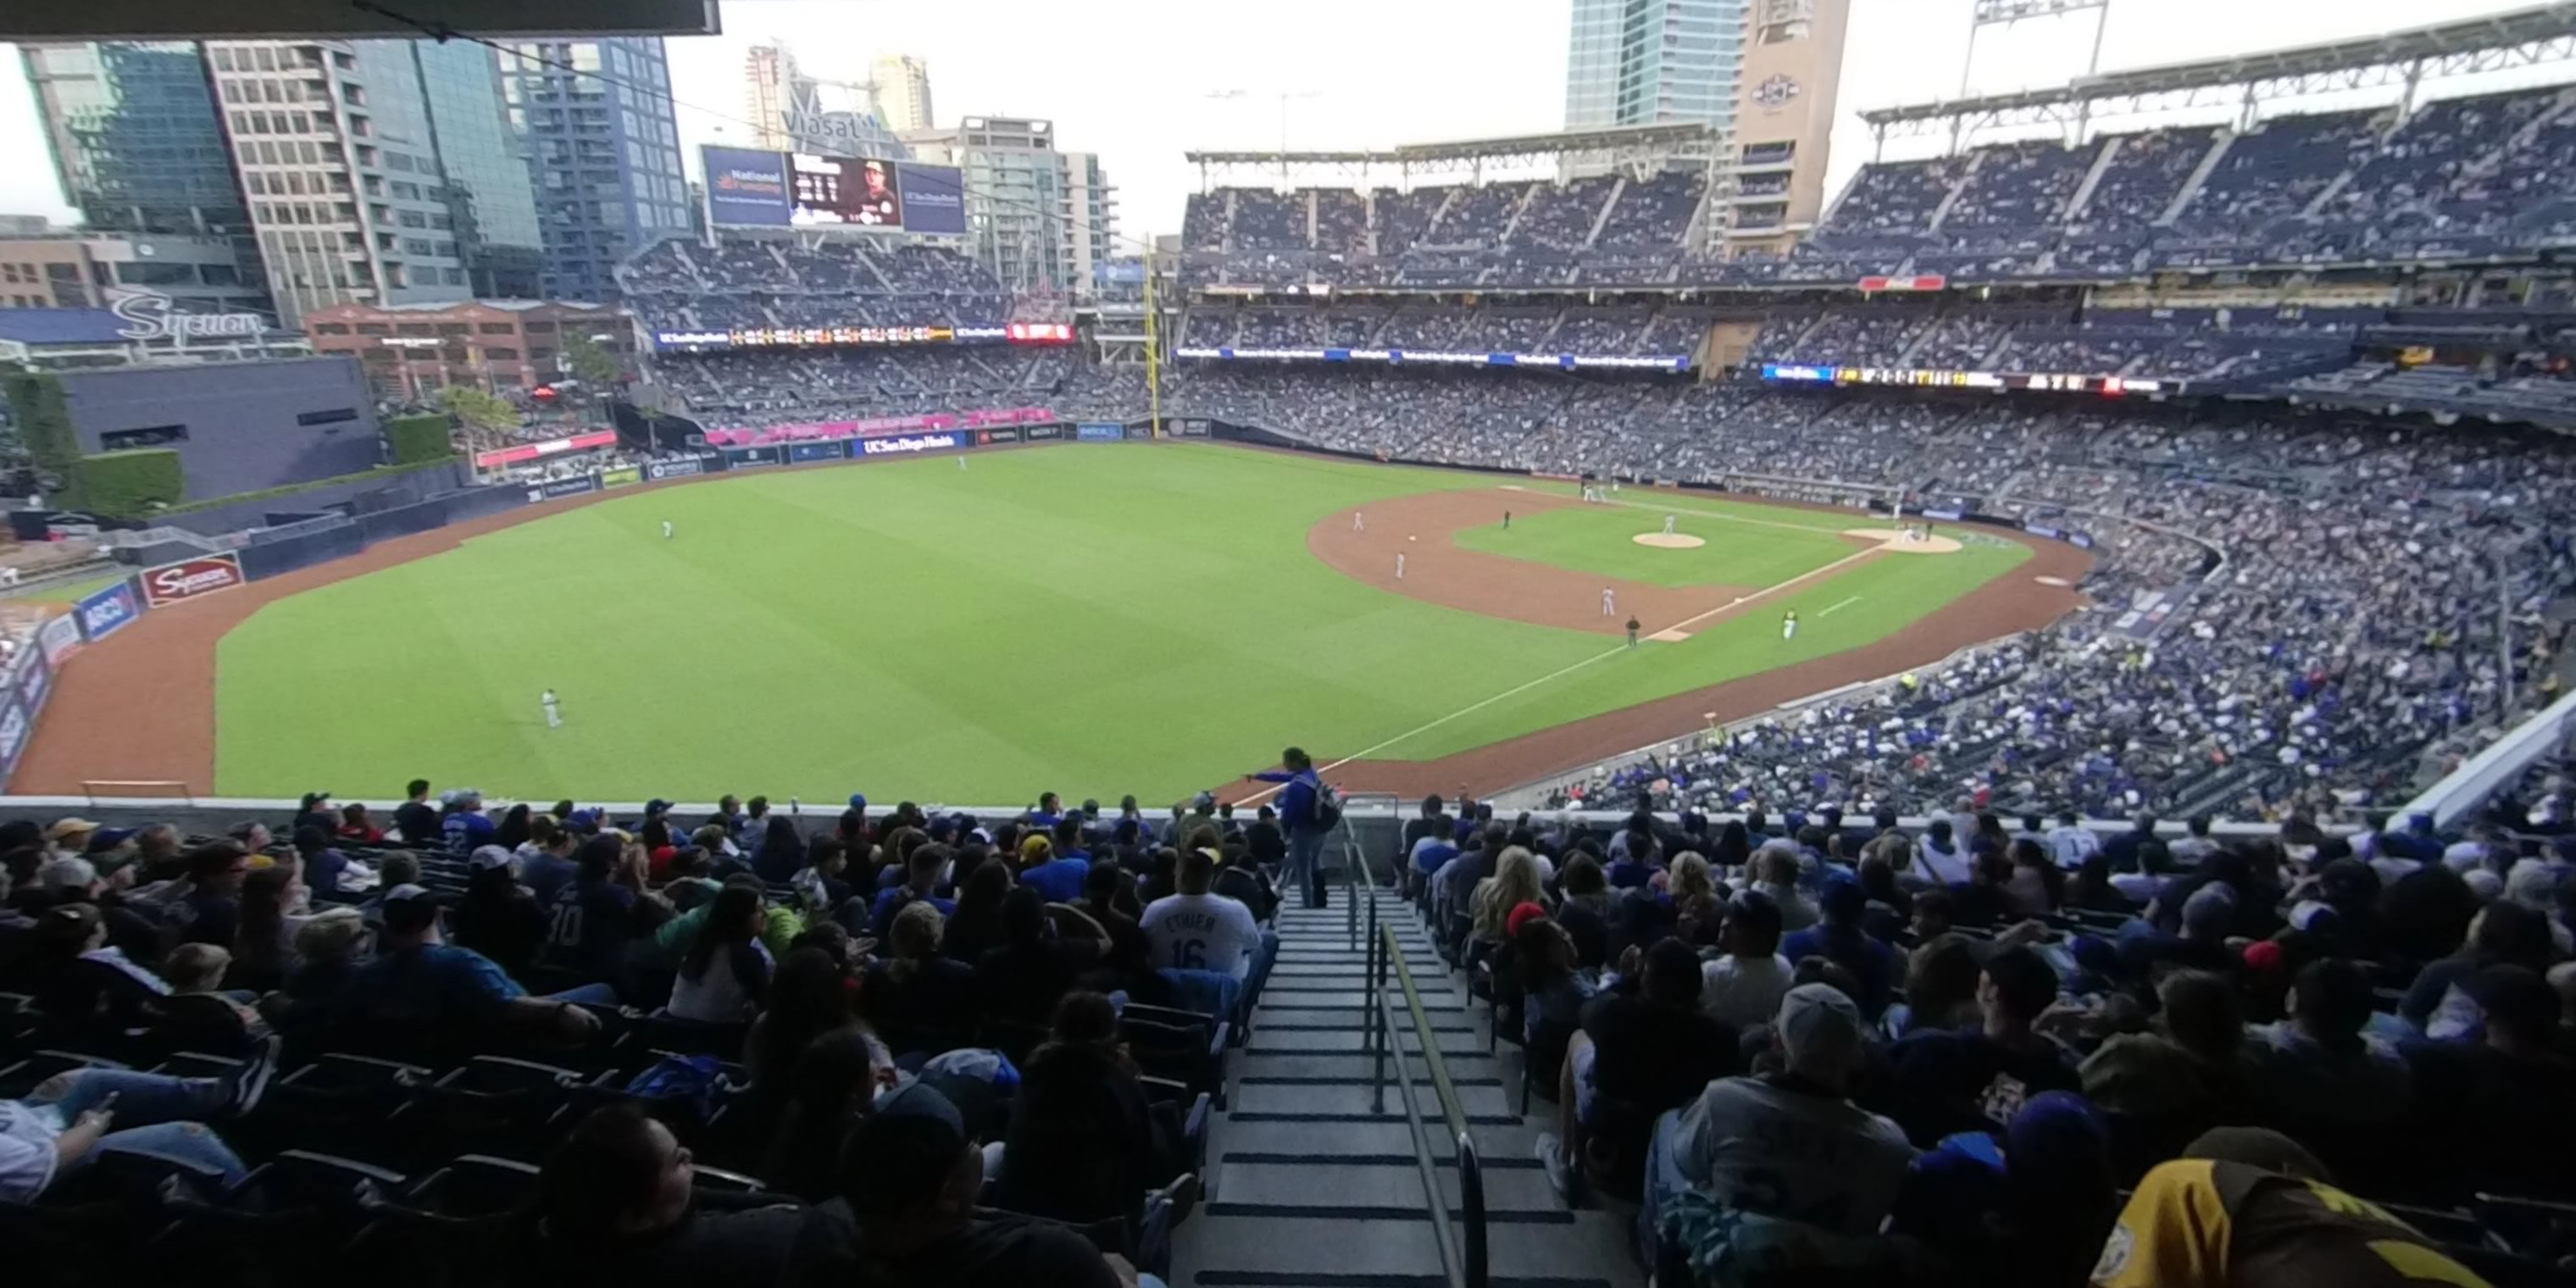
<point x="1763" y="73"/>
<point x="769" y="93"/>
<point x="1646" y="62"/>
<point x="1788" y="81"/>
<point x="604" y="149"/>
<point x="902" y="92"/>
<point x="139" y="148"/>
<point x="333" y="143"/>
<point x="489" y="195"/>
<point x="1036" y="218"/>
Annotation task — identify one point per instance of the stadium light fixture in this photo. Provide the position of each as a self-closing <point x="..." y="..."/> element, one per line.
<point x="1991" y="12"/>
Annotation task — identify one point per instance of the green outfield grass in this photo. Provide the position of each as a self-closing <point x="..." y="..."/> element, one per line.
<point x="1743" y="549"/>
<point x="1088" y="618"/>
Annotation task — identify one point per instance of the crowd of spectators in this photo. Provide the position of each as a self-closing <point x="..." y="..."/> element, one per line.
<point x="2322" y="594"/>
<point x="1818" y="1046"/>
<point x="537" y="1029"/>
<point x="677" y="285"/>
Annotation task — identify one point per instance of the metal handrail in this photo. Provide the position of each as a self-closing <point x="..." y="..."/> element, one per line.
<point x="1462" y="1249"/>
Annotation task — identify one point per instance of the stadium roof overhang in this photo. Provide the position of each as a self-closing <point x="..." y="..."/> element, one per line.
<point x="2519" y="38"/>
<point x="1683" y="139"/>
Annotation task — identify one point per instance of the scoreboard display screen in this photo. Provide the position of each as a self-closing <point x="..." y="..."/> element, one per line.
<point x="834" y="191"/>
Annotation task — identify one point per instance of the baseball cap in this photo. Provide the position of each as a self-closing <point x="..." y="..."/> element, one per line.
<point x="1204" y="800"/>
<point x="900" y="1155"/>
<point x="108" y="838"/>
<point x="583" y="819"/>
<point x="1820" y="1032"/>
<point x="1521" y="915"/>
<point x="69" y="827"/>
<point x="858" y="800"/>
<point x="312" y="799"/>
<point x="657" y="805"/>
<point x="410" y="907"/>
<point x="488" y="856"/>
<point x="2209" y="908"/>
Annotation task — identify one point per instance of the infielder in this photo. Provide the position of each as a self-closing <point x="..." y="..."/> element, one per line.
<point x="1607" y="610"/>
<point x="1669" y="521"/>
<point x="666" y="529"/>
<point x="554" y="718"/>
<point x="1399" y="565"/>
<point x="1789" y="625"/>
<point x="1359" y="521"/>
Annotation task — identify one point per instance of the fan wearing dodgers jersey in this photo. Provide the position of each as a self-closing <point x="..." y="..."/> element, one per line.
<point x="1196" y="930"/>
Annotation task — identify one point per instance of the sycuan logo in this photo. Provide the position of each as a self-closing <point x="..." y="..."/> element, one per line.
<point x="190" y="579"/>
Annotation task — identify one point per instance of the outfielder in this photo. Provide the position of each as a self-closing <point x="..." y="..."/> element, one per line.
<point x="1789" y="625"/>
<point x="554" y="718"/>
<point x="666" y="529"/>
<point x="961" y="464"/>
<point x="1607" y="609"/>
<point x="1669" y="521"/>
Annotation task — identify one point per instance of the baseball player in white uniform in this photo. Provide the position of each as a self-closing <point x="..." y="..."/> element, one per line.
<point x="666" y="529"/>
<point x="1399" y="565"/>
<point x="1359" y="521"/>
<point x="1669" y="521"/>
<point x="1608" y="603"/>
<point x="554" y="717"/>
<point x="1789" y="625"/>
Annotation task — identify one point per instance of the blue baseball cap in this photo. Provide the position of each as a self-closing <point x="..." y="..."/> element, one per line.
<point x="858" y="801"/>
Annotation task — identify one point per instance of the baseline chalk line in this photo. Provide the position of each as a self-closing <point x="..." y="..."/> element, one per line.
<point x="1845" y="604"/>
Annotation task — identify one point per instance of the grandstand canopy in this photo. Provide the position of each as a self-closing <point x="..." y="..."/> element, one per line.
<point x="291" y="19"/>
<point x="1615" y="139"/>
<point x="1643" y="145"/>
<point x="2521" y="37"/>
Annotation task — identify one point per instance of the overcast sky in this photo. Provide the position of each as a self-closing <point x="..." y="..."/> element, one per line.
<point x="1136" y="83"/>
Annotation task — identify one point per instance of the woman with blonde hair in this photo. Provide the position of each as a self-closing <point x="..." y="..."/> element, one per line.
<point x="1697" y="907"/>
<point x="1516" y="881"/>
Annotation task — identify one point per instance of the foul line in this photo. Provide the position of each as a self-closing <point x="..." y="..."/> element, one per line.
<point x="1845" y="604"/>
<point x="1569" y="669"/>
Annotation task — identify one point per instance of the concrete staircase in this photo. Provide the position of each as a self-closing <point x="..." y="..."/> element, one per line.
<point x="1312" y="1185"/>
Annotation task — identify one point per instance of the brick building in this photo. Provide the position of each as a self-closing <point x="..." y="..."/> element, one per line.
<point x="409" y="351"/>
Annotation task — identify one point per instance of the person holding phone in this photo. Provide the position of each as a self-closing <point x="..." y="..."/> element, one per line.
<point x="72" y="1118"/>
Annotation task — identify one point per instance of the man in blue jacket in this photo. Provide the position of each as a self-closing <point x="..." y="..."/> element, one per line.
<point x="1306" y="828"/>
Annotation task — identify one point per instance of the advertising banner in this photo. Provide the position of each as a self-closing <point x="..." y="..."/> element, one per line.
<point x="621" y="476"/>
<point x="14" y="727"/>
<point x="934" y="198"/>
<point x="873" y="425"/>
<point x="60" y="637"/>
<point x="553" y="488"/>
<point x="1092" y="431"/>
<point x="1944" y="516"/>
<point x="1194" y="429"/>
<point x="2040" y="530"/>
<point x="905" y="444"/>
<point x="191" y="579"/>
<point x="35" y="683"/>
<point x="988" y="437"/>
<point x="1036" y="432"/>
<point x="746" y="187"/>
<point x="550" y="447"/>
<point x="107" y="612"/>
<point x="833" y="451"/>
<point x="745" y="457"/>
<point x="684" y="466"/>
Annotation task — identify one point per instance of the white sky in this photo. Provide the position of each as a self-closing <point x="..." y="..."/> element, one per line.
<point x="1133" y="83"/>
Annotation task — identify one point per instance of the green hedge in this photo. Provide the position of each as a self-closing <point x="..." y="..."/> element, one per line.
<point x="44" y="422"/>
<point x="415" y="439"/>
<point x="128" y="484"/>
<point x="266" y="494"/>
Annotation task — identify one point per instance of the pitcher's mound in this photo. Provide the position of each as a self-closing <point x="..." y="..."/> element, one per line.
<point x="1895" y="543"/>
<point x="1668" y="540"/>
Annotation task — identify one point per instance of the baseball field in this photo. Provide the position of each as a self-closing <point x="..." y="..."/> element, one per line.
<point x="1089" y="618"/>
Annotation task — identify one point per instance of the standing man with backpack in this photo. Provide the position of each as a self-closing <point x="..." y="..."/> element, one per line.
<point x="1308" y="812"/>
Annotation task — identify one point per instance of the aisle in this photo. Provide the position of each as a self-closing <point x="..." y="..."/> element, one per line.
<point x="1309" y="1187"/>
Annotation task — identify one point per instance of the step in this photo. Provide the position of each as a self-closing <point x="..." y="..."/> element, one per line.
<point x="1352" y="999"/>
<point x="1351" y="1041"/>
<point x="1465" y="1068"/>
<point x="1251" y="1250"/>
<point x="1341" y="1183"/>
<point x="1324" y="1017"/>
<point x="1253" y="1098"/>
<point x="1504" y="1147"/>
